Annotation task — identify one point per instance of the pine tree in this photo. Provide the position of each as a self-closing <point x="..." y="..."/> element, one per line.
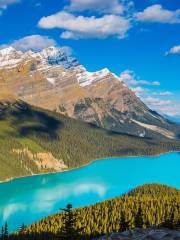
<point x="139" y="218"/>
<point x="6" y="234"/>
<point x="123" y="222"/>
<point x="2" y="233"/>
<point x="68" y="230"/>
<point x="22" y="228"/>
<point x="169" y="220"/>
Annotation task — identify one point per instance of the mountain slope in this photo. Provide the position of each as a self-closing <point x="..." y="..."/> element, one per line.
<point x="52" y="80"/>
<point x="35" y="141"/>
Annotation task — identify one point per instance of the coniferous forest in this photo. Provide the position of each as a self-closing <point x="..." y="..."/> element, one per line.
<point x="151" y="205"/>
<point x="24" y="128"/>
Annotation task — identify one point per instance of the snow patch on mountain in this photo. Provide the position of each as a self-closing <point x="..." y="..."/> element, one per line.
<point x="10" y="63"/>
<point x="51" y="80"/>
<point x="86" y="78"/>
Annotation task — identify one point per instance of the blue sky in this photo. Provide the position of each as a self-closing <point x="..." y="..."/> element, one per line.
<point x="138" y="40"/>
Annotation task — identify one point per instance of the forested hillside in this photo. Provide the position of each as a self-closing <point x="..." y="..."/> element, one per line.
<point x="146" y="206"/>
<point x="29" y="135"/>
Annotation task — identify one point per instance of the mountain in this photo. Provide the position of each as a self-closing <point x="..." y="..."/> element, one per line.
<point x="175" y="119"/>
<point x="52" y="80"/>
<point x="33" y="141"/>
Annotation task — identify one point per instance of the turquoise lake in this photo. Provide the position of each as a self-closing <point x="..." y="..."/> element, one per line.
<point x="32" y="198"/>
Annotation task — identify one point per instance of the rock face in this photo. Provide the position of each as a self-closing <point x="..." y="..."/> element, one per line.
<point x="52" y="80"/>
<point x="149" y="234"/>
<point x="43" y="160"/>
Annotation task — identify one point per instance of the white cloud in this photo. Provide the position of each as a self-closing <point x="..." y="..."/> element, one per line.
<point x="130" y="78"/>
<point x="156" y="13"/>
<point x="68" y="50"/>
<point x="159" y="104"/>
<point x="138" y="90"/>
<point x="167" y="107"/>
<point x="163" y="94"/>
<point x="77" y="27"/>
<point x="172" y="109"/>
<point x="157" y="101"/>
<point x="32" y="42"/>
<point x="174" y="50"/>
<point x="106" y="6"/>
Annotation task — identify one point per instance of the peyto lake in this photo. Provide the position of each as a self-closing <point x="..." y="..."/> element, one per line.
<point x="32" y="198"/>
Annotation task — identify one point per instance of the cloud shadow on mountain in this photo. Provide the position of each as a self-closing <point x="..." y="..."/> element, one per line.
<point x="30" y="121"/>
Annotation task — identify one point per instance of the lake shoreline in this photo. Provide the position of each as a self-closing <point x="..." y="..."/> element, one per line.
<point x="84" y="165"/>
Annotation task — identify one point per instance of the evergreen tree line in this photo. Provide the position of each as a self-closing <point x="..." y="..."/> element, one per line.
<point x="4" y="232"/>
<point x="75" y="142"/>
<point x="151" y="205"/>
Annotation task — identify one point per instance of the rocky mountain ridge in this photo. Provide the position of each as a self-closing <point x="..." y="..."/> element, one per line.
<point x="55" y="81"/>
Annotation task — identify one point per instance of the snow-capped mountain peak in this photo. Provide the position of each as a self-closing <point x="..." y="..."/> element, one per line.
<point x="57" y="56"/>
<point x="52" y="79"/>
<point x="10" y="57"/>
<point x="7" y="51"/>
<point x="53" y="57"/>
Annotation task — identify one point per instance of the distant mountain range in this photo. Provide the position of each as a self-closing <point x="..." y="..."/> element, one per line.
<point x="52" y="80"/>
<point x="175" y="119"/>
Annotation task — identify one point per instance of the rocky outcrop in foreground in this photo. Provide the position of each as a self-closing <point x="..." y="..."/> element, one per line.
<point x="148" y="234"/>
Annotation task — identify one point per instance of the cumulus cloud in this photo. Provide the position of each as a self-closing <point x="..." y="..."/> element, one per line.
<point x="32" y="42"/>
<point x="77" y="27"/>
<point x="174" y="50"/>
<point x="156" y="13"/>
<point x="130" y="78"/>
<point x="106" y="6"/>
